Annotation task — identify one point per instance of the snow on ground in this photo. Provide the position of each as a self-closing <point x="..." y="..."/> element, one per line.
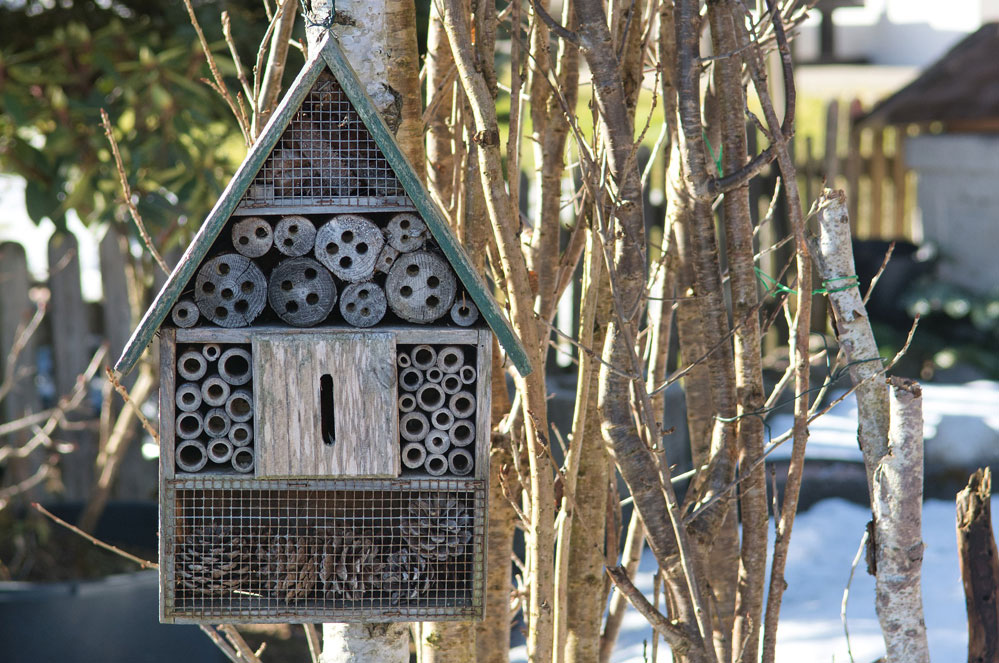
<point x="823" y="544"/>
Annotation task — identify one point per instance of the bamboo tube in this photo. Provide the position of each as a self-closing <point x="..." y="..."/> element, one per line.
<point x="220" y="450"/>
<point x="468" y="374"/>
<point x="442" y="418"/>
<point x="462" y="404"/>
<point x="450" y="359"/>
<point x="211" y="351"/>
<point x="459" y="462"/>
<point x="243" y="460"/>
<point x="451" y="383"/>
<point x="241" y="434"/>
<point x="191" y="456"/>
<point x="215" y="391"/>
<point x="414" y="427"/>
<point x="435" y="465"/>
<point x="235" y="366"/>
<point x="411" y="379"/>
<point x="413" y="455"/>
<point x="434" y="374"/>
<point x="430" y="396"/>
<point x="404" y="360"/>
<point x="191" y="365"/>
<point x="185" y="313"/>
<point x="189" y="425"/>
<point x="462" y="433"/>
<point x="188" y="397"/>
<point x="437" y="441"/>
<point x="464" y="313"/>
<point x="407" y="403"/>
<point x="239" y="405"/>
<point x="423" y="357"/>
<point x="217" y="422"/>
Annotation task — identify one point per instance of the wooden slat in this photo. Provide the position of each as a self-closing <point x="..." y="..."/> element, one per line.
<point x="324" y="207"/>
<point x="435" y="220"/>
<point x="483" y="393"/>
<point x="830" y="166"/>
<point x="288" y="423"/>
<point x="68" y="323"/>
<point x="853" y="171"/>
<point x="899" y="188"/>
<point x="403" y="334"/>
<point x="168" y="384"/>
<point x="217" y="218"/>
<point x="879" y="224"/>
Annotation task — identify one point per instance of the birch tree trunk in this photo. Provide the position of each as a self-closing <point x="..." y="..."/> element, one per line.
<point x="897" y="504"/>
<point x="373" y="35"/>
<point x="979" y="558"/>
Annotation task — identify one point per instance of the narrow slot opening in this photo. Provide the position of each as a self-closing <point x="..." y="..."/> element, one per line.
<point x="326" y="409"/>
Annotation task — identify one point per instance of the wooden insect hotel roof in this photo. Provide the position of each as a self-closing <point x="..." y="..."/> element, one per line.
<point x="326" y="84"/>
<point x="961" y="89"/>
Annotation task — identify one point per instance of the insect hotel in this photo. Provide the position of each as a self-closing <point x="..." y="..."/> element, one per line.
<point x="325" y="350"/>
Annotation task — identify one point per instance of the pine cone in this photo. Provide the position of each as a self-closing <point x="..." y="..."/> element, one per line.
<point x="437" y="527"/>
<point x="406" y="576"/>
<point x="351" y="566"/>
<point x="289" y="567"/>
<point x="212" y="561"/>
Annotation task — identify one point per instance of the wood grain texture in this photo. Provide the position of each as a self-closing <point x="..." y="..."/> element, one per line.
<point x="349" y="245"/>
<point x="288" y="436"/>
<point x="168" y="376"/>
<point x="406" y="335"/>
<point x="483" y="394"/>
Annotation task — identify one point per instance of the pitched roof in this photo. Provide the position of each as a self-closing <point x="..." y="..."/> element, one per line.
<point x="328" y="55"/>
<point x="961" y="87"/>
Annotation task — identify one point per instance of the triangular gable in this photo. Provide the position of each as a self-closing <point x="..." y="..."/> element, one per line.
<point x="239" y="191"/>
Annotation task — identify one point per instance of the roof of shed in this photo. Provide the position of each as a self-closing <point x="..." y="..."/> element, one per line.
<point x="962" y="87"/>
<point x="327" y="56"/>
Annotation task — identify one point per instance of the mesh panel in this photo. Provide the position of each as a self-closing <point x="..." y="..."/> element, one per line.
<point x="335" y="550"/>
<point x="326" y="157"/>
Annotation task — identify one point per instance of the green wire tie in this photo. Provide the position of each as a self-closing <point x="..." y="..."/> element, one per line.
<point x="852" y="281"/>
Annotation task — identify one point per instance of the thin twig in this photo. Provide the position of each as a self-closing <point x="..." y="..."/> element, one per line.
<point x="846" y="592"/>
<point x="679" y="641"/>
<point x="123" y="392"/>
<point x="126" y="190"/>
<point x="11" y="374"/>
<point x="312" y="636"/>
<point x="144" y="563"/>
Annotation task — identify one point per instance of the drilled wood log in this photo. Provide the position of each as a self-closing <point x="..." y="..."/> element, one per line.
<point x="301" y="292"/>
<point x="467" y="374"/>
<point x="450" y="358"/>
<point x="979" y="561"/>
<point x="430" y="396"/>
<point x="215" y="391"/>
<point x="185" y="313"/>
<point x="220" y="450"/>
<point x="349" y="246"/>
<point x="230" y="290"/>
<point x="414" y="427"/>
<point x="451" y="384"/>
<point x="191" y="456"/>
<point x="462" y="405"/>
<point x="435" y="465"/>
<point x="442" y="418"/>
<point x="420" y="287"/>
<point x="437" y="441"/>
<point x="423" y="356"/>
<point x="217" y="422"/>
<point x="363" y="304"/>
<point x="239" y="406"/>
<point x="188" y="397"/>
<point x="434" y="375"/>
<point x="464" y="313"/>
<point x="407" y="403"/>
<point x="462" y="433"/>
<point x="235" y="366"/>
<point x="294" y="236"/>
<point x="191" y="365"/>
<point x="243" y="460"/>
<point x="189" y="425"/>
<point x="459" y="462"/>
<point x="241" y="434"/>
<point x="413" y="455"/>
<point x="411" y="379"/>
<point x="406" y="232"/>
<point x="386" y="258"/>
<point x="252" y="236"/>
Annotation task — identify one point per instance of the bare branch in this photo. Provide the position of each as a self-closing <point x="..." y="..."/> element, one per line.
<point x="146" y="564"/>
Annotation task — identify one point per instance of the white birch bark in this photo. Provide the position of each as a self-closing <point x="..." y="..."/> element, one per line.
<point x="357" y="643"/>
<point x="897" y="505"/>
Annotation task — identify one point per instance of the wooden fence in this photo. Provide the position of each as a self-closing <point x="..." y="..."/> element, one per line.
<point x="50" y="360"/>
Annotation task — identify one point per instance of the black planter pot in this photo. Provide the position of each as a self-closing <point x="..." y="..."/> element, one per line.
<point x="111" y="620"/>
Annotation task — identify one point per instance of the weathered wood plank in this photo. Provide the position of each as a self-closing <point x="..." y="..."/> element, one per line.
<point x="406" y="335"/>
<point x="289" y="436"/>
<point x="168" y="385"/>
<point x="68" y="324"/>
<point x="879" y="166"/>
<point x="483" y="393"/>
<point x="217" y="218"/>
<point x="329" y="206"/>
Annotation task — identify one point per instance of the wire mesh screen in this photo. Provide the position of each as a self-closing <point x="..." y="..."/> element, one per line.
<point x="326" y="157"/>
<point x="337" y="550"/>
